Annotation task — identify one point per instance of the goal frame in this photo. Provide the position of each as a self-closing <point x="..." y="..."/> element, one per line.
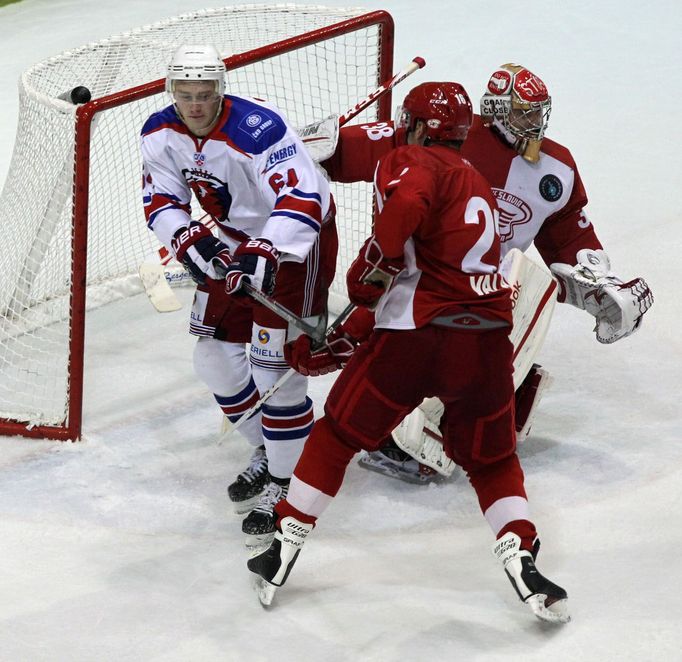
<point x="71" y="427"/>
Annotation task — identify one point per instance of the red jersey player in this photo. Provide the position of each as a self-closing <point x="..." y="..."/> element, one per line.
<point x="435" y="243"/>
<point x="541" y="200"/>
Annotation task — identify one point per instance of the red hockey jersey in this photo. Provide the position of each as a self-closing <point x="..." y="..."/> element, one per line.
<point x="438" y="213"/>
<point x="541" y="202"/>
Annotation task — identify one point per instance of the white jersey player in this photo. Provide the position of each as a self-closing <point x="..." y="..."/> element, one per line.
<point x="541" y="200"/>
<point x="248" y="170"/>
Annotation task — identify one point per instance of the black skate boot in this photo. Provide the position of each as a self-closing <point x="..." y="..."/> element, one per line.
<point x="272" y="566"/>
<point x="250" y="483"/>
<point x="548" y="601"/>
<point x="259" y="524"/>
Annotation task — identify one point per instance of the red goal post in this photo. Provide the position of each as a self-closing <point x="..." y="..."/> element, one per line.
<point x="71" y="207"/>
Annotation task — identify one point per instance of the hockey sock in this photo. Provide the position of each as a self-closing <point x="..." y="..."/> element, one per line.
<point x="285" y="430"/>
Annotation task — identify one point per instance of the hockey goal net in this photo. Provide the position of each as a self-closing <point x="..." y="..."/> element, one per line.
<point x="71" y="208"/>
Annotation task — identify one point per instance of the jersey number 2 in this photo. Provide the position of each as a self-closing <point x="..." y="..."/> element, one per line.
<point x="478" y="209"/>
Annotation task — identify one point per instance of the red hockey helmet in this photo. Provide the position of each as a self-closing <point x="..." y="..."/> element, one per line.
<point x="445" y="108"/>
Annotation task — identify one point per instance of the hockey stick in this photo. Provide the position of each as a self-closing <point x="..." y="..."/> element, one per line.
<point x="229" y="427"/>
<point x="157" y="282"/>
<point x="317" y="332"/>
<point x="417" y="63"/>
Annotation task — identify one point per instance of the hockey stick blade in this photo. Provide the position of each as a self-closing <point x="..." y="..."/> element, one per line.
<point x="157" y="288"/>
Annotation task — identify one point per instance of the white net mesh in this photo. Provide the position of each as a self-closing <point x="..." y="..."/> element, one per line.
<point x="307" y="83"/>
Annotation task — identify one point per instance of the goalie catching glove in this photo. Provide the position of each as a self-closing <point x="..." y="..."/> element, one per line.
<point x="618" y="307"/>
<point x="202" y="254"/>
<point x="371" y="274"/>
<point x="255" y="261"/>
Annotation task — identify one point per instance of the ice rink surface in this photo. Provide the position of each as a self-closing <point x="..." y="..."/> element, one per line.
<point x="123" y="547"/>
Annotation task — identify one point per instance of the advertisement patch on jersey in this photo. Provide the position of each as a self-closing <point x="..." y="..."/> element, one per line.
<point x="256" y="125"/>
<point x="499" y="82"/>
<point x="279" y="156"/>
<point x="551" y="188"/>
<point x="267" y="348"/>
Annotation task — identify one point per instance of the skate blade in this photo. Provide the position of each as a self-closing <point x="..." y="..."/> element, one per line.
<point x="246" y="506"/>
<point x="264" y="590"/>
<point x="557" y="612"/>
<point x="260" y="542"/>
<point x="390" y="470"/>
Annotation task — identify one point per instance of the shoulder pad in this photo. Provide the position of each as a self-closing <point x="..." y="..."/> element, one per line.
<point x="252" y="127"/>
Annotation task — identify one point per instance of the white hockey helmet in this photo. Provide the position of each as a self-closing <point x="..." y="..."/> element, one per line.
<point x="517" y="103"/>
<point x="194" y="63"/>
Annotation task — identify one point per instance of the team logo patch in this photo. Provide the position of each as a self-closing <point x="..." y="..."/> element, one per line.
<point x="212" y="193"/>
<point x="551" y="188"/>
<point x="499" y="82"/>
<point x="263" y="336"/>
<point x="513" y="212"/>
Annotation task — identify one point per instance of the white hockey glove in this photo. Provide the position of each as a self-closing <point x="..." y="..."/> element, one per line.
<point x="320" y="138"/>
<point x="618" y="307"/>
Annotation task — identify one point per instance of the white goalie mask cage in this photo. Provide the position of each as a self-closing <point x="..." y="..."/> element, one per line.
<point x="517" y="102"/>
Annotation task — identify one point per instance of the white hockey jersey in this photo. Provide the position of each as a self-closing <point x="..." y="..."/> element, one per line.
<point x="251" y="173"/>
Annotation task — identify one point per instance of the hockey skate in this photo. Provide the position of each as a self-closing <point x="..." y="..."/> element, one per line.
<point x="548" y="601"/>
<point x="271" y="567"/>
<point x="392" y="461"/>
<point x="250" y="483"/>
<point x="259" y="524"/>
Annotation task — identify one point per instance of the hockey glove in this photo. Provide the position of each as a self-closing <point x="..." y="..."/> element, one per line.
<point x="255" y="261"/>
<point x="202" y="254"/>
<point x="618" y="307"/>
<point x="333" y="355"/>
<point x="371" y="274"/>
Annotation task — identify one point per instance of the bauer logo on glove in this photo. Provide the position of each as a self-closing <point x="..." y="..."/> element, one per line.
<point x="255" y="262"/>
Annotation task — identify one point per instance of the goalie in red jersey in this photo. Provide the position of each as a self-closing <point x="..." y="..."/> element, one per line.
<point x="431" y="271"/>
<point x="542" y="201"/>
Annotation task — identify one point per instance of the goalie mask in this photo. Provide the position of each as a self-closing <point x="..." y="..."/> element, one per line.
<point x="517" y="104"/>
<point x="445" y="109"/>
<point x="196" y="63"/>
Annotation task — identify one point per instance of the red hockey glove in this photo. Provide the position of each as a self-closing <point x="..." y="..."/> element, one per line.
<point x="255" y="261"/>
<point x="371" y="274"/>
<point x="200" y="252"/>
<point x="333" y="355"/>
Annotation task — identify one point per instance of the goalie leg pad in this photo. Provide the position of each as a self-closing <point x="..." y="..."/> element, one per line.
<point x="527" y="398"/>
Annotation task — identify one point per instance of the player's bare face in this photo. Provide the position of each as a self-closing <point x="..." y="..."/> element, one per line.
<point x="198" y="104"/>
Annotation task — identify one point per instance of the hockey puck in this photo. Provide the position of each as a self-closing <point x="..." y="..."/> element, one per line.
<point x="80" y="94"/>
